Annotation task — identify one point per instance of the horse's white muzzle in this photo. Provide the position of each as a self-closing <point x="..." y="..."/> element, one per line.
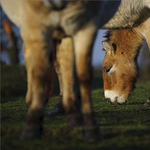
<point x="114" y="97"/>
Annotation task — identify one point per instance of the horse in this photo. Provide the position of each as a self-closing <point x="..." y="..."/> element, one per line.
<point x="41" y="23"/>
<point x="120" y="67"/>
<point x="121" y="20"/>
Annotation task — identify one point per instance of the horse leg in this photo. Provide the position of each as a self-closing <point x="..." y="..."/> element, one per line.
<point x="29" y="78"/>
<point x="50" y="80"/>
<point x="58" y="107"/>
<point x="147" y="103"/>
<point x="148" y="42"/>
<point x="83" y="42"/>
<point x="37" y="58"/>
<point x="145" y="28"/>
<point x="66" y="59"/>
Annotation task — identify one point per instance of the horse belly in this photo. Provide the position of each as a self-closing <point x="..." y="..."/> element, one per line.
<point x="78" y="14"/>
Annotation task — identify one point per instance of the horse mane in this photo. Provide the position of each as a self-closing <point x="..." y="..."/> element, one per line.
<point x="108" y="35"/>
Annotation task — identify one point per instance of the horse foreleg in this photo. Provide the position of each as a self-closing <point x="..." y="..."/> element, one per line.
<point x="38" y="71"/>
<point x="83" y="42"/>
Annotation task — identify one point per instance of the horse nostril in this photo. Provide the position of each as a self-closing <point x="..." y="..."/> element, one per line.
<point x="108" y="100"/>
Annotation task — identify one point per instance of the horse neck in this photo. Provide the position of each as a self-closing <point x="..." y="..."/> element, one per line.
<point x="128" y="41"/>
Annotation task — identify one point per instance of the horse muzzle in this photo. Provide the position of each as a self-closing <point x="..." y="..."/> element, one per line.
<point x="116" y="101"/>
<point x="114" y="97"/>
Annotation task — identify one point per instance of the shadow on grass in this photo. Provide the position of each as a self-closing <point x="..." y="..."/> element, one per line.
<point x="136" y="132"/>
<point x="14" y="82"/>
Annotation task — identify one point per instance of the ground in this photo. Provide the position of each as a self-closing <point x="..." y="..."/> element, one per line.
<point x="122" y="127"/>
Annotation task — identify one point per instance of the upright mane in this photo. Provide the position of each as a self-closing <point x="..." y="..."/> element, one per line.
<point x="108" y="35"/>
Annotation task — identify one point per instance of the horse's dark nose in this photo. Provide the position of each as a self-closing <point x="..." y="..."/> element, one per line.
<point x="108" y="100"/>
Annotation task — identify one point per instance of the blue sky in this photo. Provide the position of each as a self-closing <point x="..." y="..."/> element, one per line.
<point x="98" y="54"/>
<point x="97" y="57"/>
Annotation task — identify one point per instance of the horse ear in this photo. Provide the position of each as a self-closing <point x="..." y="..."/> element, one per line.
<point x="108" y="47"/>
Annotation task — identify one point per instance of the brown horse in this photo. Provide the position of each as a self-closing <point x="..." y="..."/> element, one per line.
<point x="120" y="69"/>
<point x="137" y="12"/>
<point x="41" y="23"/>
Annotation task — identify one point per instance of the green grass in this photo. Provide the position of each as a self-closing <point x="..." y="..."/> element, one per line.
<point x="122" y="127"/>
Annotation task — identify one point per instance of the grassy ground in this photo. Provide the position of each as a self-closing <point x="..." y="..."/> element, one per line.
<point x="123" y="127"/>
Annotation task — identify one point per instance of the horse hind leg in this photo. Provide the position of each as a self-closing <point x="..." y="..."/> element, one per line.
<point x="66" y="59"/>
<point x="146" y="30"/>
<point x="38" y="71"/>
<point x="58" y="107"/>
<point x="27" y="58"/>
<point x="147" y="103"/>
<point x="83" y="42"/>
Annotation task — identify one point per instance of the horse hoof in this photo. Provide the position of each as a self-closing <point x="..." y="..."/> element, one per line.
<point x="147" y="103"/>
<point x="74" y="120"/>
<point x="31" y="133"/>
<point x="57" y="109"/>
<point x="92" y="134"/>
<point x="56" y="112"/>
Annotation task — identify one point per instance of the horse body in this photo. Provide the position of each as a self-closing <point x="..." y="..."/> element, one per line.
<point x="75" y="11"/>
<point x="120" y="69"/>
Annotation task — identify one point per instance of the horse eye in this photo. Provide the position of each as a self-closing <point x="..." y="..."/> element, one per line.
<point x="107" y="69"/>
<point x="114" y="46"/>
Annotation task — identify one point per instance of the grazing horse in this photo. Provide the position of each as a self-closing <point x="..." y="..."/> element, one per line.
<point x="41" y="23"/>
<point x="136" y="12"/>
<point x="120" y="68"/>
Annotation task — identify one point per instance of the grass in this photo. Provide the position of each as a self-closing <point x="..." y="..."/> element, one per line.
<point x="122" y="127"/>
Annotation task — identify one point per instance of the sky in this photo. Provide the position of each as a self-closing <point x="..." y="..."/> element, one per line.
<point x="98" y="54"/>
